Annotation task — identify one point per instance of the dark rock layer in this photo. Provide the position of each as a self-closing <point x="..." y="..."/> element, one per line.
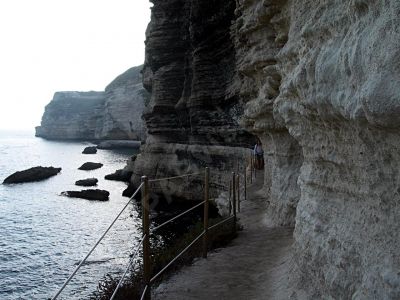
<point x="87" y="182"/>
<point x="100" y="195"/>
<point x="192" y="117"/>
<point x="87" y="166"/>
<point x="32" y="174"/>
<point x="90" y="150"/>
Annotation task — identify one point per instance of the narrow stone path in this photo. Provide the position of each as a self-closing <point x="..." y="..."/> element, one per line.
<point x="254" y="266"/>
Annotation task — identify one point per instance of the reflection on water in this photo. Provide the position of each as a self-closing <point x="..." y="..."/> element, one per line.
<point x="44" y="235"/>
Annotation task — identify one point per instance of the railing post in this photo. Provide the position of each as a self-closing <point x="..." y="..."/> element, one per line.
<point x="251" y="168"/>
<point x="245" y="185"/>
<point x="146" y="232"/>
<point x="206" y="199"/>
<point x="234" y="200"/>
<point x="238" y="192"/>
<point x="230" y="197"/>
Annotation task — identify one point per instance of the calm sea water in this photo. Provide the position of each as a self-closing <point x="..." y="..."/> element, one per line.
<point x="44" y="235"/>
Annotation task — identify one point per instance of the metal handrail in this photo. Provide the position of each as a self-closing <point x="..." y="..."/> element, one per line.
<point x="176" y="257"/>
<point x="127" y="268"/>
<point x="221" y="222"/>
<point x="97" y="243"/>
<point x="178" y="216"/>
<point x="174" y="177"/>
<point x="144" y="292"/>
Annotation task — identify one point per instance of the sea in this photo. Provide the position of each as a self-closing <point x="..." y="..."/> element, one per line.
<point x="44" y="235"/>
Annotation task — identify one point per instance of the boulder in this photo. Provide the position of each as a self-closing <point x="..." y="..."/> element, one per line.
<point x="90" y="150"/>
<point x="119" y="175"/>
<point x="87" y="182"/>
<point x="32" y="174"/>
<point x="90" y="166"/>
<point x="100" y="195"/>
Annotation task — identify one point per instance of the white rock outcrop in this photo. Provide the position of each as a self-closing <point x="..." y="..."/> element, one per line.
<point x="113" y="114"/>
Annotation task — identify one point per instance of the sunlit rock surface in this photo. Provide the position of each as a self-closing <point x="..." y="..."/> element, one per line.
<point x="113" y="114"/>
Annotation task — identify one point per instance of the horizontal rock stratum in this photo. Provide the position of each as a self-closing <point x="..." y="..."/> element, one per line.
<point x="112" y="114"/>
<point x="318" y="83"/>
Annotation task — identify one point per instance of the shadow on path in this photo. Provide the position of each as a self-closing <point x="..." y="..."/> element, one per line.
<point x="254" y="266"/>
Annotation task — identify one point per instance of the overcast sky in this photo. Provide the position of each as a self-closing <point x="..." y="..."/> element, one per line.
<point x="62" y="45"/>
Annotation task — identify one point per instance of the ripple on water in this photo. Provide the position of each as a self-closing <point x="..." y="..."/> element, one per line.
<point x="44" y="235"/>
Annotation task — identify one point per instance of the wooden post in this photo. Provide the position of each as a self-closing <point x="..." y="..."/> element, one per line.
<point x="234" y="199"/>
<point x="245" y="185"/>
<point x="146" y="232"/>
<point x="230" y="197"/>
<point x="238" y="192"/>
<point x="205" y="217"/>
<point x="251" y="168"/>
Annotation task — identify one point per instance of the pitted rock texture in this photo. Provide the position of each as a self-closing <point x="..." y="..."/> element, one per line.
<point x="318" y="83"/>
<point x="259" y="32"/>
<point x="113" y="114"/>
<point x="339" y="98"/>
<point x="193" y="112"/>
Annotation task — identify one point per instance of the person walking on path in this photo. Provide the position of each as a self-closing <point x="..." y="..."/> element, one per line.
<point x="259" y="155"/>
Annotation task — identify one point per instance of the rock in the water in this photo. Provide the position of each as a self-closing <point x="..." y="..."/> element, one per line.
<point x="90" y="150"/>
<point x="128" y="192"/>
<point x="115" y="144"/>
<point x="112" y="114"/>
<point x="100" y="195"/>
<point x="87" y="182"/>
<point x="32" y="174"/>
<point x="119" y="175"/>
<point x="90" y="166"/>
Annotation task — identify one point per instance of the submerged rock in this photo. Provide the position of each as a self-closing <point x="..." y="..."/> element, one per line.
<point x="90" y="166"/>
<point x="87" y="182"/>
<point x="100" y="195"/>
<point x="119" y="175"/>
<point x="90" y="150"/>
<point x="32" y="174"/>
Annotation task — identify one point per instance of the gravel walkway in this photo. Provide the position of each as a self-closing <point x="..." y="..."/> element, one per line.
<point x="254" y="266"/>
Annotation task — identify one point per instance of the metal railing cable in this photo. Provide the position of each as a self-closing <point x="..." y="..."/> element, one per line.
<point x="132" y="260"/>
<point x="176" y="257"/>
<point x="144" y="292"/>
<point x="174" y="177"/>
<point x="221" y="222"/>
<point x="178" y="216"/>
<point x="97" y="243"/>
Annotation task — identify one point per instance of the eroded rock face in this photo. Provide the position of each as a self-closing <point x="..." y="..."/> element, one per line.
<point x="192" y="118"/>
<point x="260" y="32"/>
<point x="113" y="114"/>
<point x="339" y="98"/>
<point x="317" y="81"/>
<point x="72" y="115"/>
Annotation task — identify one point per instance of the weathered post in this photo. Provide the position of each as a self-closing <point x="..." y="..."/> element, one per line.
<point x="245" y="185"/>
<point x="238" y="192"/>
<point x="234" y="200"/>
<point x="230" y="197"/>
<point x="206" y="199"/>
<point x="146" y="233"/>
<point x="251" y="168"/>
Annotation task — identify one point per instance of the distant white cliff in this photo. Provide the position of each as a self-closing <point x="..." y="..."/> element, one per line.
<point x="112" y="114"/>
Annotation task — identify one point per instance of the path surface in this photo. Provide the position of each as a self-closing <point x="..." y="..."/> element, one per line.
<point x="254" y="266"/>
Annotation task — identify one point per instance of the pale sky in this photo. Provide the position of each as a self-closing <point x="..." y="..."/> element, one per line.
<point x="64" y="45"/>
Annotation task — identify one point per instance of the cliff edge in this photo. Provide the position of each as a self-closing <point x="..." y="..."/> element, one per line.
<point x="113" y="114"/>
<point x="317" y="82"/>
